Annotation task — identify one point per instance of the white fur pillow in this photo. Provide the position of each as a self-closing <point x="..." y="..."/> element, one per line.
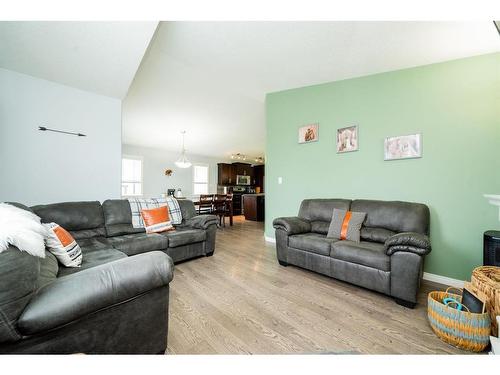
<point x="22" y="229"/>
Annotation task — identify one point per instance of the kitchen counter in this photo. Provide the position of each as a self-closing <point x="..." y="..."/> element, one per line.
<point x="254" y="194"/>
<point x="253" y="206"/>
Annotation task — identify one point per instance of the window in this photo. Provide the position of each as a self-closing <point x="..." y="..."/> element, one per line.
<point x="200" y="179"/>
<point x="131" y="176"/>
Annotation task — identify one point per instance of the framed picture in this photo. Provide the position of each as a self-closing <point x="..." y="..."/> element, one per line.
<point x="309" y="133"/>
<point x="347" y="139"/>
<point x="403" y="147"/>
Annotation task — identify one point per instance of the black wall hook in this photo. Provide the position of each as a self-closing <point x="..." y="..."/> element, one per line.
<point x="43" y="128"/>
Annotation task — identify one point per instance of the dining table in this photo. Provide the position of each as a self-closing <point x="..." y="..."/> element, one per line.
<point x="197" y="203"/>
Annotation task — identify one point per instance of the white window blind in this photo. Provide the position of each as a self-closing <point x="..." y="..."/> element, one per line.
<point x="131" y="177"/>
<point x="200" y="179"/>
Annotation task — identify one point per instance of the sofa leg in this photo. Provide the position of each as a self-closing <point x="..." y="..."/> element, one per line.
<point x="209" y="254"/>
<point x="284" y="264"/>
<point x="404" y="303"/>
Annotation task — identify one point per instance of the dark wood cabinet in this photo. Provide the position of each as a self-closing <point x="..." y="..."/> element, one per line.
<point x="243" y="169"/>
<point x="253" y="207"/>
<point x="258" y="177"/>
<point x="226" y="174"/>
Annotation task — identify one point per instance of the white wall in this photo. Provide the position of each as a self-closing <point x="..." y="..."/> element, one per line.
<point x="44" y="167"/>
<point x="155" y="161"/>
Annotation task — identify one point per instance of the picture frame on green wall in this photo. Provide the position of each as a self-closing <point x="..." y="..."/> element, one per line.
<point x="309" y="133"/>
<point x="347" y="139"/>
<point x="403" y="147"/>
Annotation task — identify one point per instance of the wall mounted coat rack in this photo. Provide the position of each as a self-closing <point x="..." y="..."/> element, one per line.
<point x="43" y="128"/>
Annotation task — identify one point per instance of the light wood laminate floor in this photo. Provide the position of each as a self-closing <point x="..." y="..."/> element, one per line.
<point x="241" y="301"/>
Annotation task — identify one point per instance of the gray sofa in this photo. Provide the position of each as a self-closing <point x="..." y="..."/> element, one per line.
<point x="388" y="259"/>
<point x="117" y="302"/>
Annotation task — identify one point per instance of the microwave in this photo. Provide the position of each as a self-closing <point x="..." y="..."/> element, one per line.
<point x="243" y="180"/>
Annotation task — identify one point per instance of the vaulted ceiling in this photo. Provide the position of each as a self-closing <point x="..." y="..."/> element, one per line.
<point x="101" y="57"/>
<point x="211" y="78"/>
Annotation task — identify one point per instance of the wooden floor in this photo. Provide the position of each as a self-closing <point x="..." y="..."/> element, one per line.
<point x="242" y="301"/>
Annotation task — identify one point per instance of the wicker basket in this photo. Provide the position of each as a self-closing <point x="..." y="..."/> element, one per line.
<point x="462" y="329"/>
<point x="487" y="280"/>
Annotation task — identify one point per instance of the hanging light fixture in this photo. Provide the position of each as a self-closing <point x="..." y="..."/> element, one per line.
<point x="183" y="161"/>
<point x="239" y="156"/>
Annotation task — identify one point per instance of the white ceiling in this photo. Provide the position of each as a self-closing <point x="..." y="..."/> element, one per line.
<point x="210" y="78"/>
<point x="100" y="57"/>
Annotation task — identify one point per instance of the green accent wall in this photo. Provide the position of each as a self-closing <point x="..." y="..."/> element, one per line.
<point x="454" y="105"/>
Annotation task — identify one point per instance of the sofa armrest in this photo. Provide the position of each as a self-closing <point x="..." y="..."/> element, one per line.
<point x="292" y="225"/>
<point x="77" y="295"/>
<point x="416" y="243"/>
<point x="201" y="221"/>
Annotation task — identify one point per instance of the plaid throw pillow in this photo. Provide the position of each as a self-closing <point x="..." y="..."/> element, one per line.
<point x="139" y="204"/>
<point x="346" y="225"/>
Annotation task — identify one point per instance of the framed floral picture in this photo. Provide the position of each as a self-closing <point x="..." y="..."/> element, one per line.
<point x="347" y="139"/>
<point x="403" y="147"/>
<point x="309" y="133"/>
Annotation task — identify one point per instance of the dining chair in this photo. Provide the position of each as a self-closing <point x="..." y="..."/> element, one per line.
<point x="220" y="207"/>
<point x="205" y="205"/>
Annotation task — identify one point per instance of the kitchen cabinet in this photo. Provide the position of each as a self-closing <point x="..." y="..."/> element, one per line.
<point x="253" y="207"/>
<point x="258" y="177"/>
<point x="243" y="169"/>
<point x="226" y="174"/>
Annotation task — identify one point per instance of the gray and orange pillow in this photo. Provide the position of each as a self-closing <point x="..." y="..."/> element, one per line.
<point x="346" y="225"/>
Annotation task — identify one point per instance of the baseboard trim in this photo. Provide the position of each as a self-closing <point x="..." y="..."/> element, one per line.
<point x="427" y="276"/>
<point x="443" y="280"/>
<point x="270" y="239"/>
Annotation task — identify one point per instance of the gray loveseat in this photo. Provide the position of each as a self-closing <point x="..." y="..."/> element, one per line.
<point x="388" y="259"/>
<point x="117" y="302"/>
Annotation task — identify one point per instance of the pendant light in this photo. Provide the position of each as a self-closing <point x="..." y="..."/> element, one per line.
<point x="183" y="161"/>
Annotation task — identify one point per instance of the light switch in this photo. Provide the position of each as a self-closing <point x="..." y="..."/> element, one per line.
<point x="280" y="180"/>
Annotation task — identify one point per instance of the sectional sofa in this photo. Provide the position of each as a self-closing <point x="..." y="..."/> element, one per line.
<point x="388" y="259"/>
<point x="117" y="302"/>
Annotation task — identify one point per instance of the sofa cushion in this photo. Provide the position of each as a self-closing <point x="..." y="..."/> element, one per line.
<point x="184" y="236"/>
<point x="118" y="218"/>
<point x="49" y="267"/>
<point x="19" y="273"/>
<point x="81" y="219"/>
<point x="187" y="209"/>
<point x="312" y="242"/>
<point x="320" y="227"/>
<point x="94" y="243"/>
<point x="132" y="244"/>
<point x="322" y="209"/>
<point x="369" y="254"/>
<point x="376" y="234"/>
<point x="394" y="215"/>
<point x="92" y="258"/>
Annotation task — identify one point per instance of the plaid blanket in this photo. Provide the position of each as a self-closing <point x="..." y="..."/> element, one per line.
<point x="139" y="204"/>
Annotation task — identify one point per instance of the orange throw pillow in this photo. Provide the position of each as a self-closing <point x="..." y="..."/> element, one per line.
<point x="157" y="220"/>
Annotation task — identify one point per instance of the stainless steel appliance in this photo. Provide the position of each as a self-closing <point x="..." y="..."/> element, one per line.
<point x="243" y="180"/>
